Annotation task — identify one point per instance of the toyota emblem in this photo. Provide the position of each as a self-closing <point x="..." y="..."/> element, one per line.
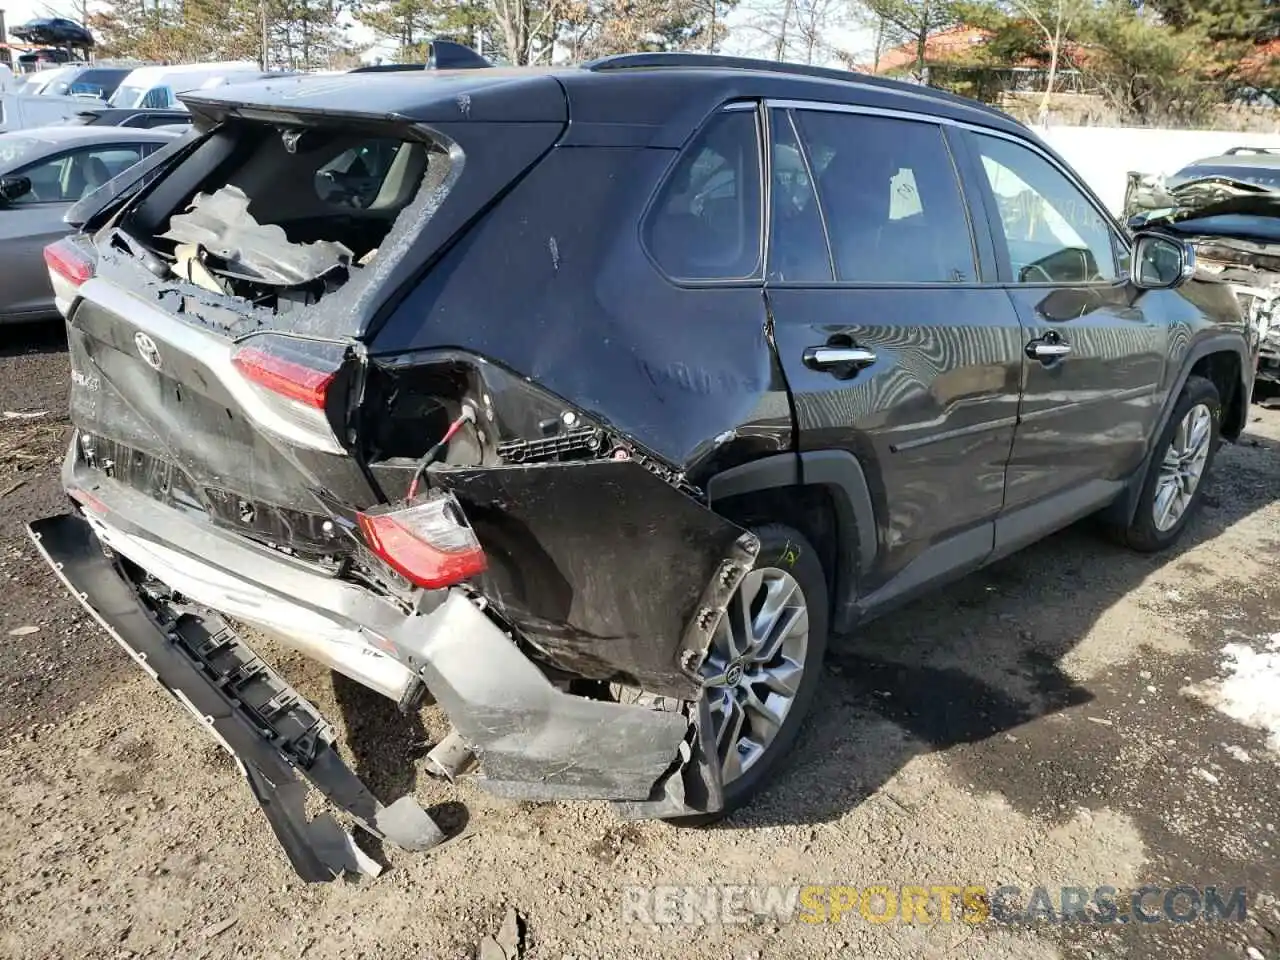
<point x="148" y="350"/>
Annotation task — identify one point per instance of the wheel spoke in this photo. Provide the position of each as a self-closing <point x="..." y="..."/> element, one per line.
<point x="1179" y="442"/>
<point x="1199" y="433"/>
<point x="778" y="594"/>
<point x="766" y="721"/>
<point x="730" y="731"/>
<point x="748" y="752"/>
<point x="739" y="615"/>
<point x="1167" y="494"/>
<point x="788" y="623"/>
<point x="782" y="679"/>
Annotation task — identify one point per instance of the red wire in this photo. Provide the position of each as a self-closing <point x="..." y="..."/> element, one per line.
<point x="448" y="435"/>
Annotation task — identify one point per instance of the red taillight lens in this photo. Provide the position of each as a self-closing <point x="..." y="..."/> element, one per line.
<point x="69" y="262"/>
<point x="287" y="377"/>
<point x="430" y="543"/>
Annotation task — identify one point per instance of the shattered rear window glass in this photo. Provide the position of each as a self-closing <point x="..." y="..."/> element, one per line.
<point x="294" y="214"/>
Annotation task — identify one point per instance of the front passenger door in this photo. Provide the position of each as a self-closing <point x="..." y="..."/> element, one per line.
<point x="1094" y="352"/>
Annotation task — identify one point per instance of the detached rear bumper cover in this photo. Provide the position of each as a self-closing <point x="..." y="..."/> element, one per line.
<point x="532" y="739"/>
<point x="272" y="733"/>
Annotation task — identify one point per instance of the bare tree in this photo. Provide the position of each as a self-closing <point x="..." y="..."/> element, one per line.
<point x="800" y="31"/>
<point x="913" y="22"/>
<point x="1053" y="18"/>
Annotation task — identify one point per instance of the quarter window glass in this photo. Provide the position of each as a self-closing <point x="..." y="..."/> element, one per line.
<point x="891" y="197"/>
<point x="797" y="244"/>
<point x="706" y="222"/>
<point x="1053" y="233"/>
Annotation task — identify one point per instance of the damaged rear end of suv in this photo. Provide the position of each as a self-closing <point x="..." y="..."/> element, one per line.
<point x="290" y="417"/>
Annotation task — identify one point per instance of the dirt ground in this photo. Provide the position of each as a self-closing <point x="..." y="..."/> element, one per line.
<point x="1047" y="721"/>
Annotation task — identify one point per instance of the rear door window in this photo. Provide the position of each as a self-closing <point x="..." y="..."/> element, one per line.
<point x="890" y="197"/>
<point x="798" y="249"/>
<point x="705" y="223"/>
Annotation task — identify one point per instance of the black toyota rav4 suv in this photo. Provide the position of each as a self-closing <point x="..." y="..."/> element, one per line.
<point x="592" y="401"/>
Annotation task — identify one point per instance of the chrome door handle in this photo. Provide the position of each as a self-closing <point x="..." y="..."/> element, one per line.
<point x="1046" y="352"/>
<point x="823" y="358"/>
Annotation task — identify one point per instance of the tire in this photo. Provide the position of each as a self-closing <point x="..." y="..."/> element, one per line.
<point x="785" y="552"/>
<point x="1147" y="533"/>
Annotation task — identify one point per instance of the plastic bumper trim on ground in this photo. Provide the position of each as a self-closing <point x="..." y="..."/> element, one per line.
<point x="318" y="849"/>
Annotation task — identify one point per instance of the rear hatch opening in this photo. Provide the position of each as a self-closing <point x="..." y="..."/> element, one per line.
<point x="268" y="218"/>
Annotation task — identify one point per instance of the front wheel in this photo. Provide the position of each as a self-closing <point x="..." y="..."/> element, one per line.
<point x="1175" y="482"/>
<point x="762" y="667"/>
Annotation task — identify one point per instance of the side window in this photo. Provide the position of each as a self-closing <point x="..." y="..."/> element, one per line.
<point x="157" y="98"/>
<point x="1053" y="233"/>
<point x="705" y="224"/>
<point x="71" y="176"/>
<point x="797" y="242"/>
<point x="891" y="199"/>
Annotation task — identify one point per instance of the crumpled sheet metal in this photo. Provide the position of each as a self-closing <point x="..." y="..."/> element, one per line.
<point x="221" y="224"/>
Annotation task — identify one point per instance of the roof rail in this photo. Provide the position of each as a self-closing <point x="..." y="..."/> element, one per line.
<point x="1237" y="150"/>
<point x="712" y="61"/>
<point x="709" y="61"/>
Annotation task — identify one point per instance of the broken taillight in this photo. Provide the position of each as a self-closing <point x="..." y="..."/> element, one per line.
<point x="69" y="267"/>
<point x="430" y="543"/>
<point x="287" y="376"/>
<point x="291" y="378"/>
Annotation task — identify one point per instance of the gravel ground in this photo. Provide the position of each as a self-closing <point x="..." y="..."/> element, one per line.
<point x="1056" y="719"/>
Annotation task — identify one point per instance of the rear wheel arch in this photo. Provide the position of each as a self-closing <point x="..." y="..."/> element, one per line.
<point x="824" y="495"/>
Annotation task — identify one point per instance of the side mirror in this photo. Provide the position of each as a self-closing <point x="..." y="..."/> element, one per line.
<point x="12" y="188"/>
<point x="1160" y="262"/>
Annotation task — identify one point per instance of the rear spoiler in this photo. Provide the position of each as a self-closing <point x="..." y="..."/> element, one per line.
<point x="441" y="55"/>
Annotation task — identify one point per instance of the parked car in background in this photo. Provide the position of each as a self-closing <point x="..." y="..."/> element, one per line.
<point x="1228" y="207"/>
<point x="129" y="117"/>
<point x="158" y="87"/>
<point x="57" y="32"/>
<point x="83" y="80"/>
<point x="19" y="111"/>
<point x="43" y="172"/>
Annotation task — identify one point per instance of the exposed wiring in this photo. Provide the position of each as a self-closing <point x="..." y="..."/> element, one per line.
<point x="468" y="415"/>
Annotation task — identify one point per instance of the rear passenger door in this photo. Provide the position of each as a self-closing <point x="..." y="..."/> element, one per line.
<point x="1095" y="349"/>
<point x="895" y="348"/>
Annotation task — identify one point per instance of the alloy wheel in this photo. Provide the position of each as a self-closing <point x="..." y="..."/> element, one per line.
<point x="754" y="666"/>
<point x="1182" y="467"/>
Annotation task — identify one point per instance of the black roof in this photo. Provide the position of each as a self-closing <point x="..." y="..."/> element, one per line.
<point x="631" y="99"/>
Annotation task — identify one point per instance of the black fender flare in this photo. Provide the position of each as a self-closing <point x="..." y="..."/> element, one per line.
<point x="841" y="475"/>
<point x="1122" y="511"/>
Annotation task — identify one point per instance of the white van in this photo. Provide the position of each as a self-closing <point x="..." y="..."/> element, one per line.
<point x="20" y="112"/>
<point x="158" y="87"/>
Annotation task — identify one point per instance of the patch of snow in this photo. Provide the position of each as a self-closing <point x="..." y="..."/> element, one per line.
<point x="1204" y="775"/>
<point x="1248" y="693"/>
<point x="1239" y="753"/>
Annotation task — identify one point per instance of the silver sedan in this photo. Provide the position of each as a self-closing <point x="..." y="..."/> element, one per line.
<point x="42" y="173"/>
